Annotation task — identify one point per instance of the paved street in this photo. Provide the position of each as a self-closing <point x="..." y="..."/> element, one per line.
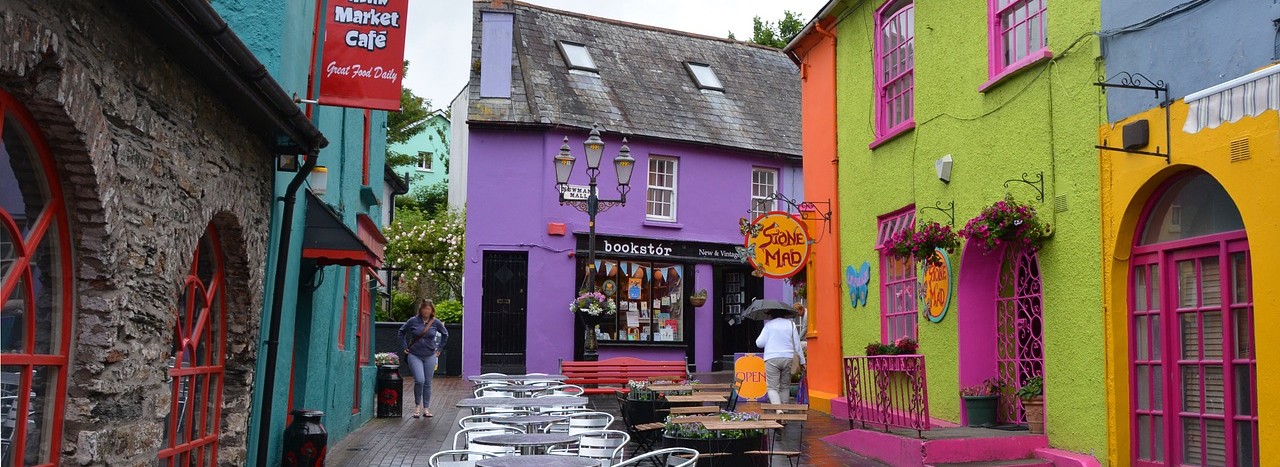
<point x="410" y="441"/>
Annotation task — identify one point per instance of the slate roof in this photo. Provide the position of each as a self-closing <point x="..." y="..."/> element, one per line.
<point x="643" y="87"/>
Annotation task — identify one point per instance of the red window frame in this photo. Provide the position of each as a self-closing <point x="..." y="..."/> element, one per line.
<point x="1027" y="27"/>
<point x="895" y="84"/>
<point x="199" y="364"/>
<point x="362" y="332"/>
<point x="898" y="304"/>
<point x="52" y="220"/>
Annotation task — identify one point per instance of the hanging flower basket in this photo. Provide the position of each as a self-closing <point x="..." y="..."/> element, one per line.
<point x="1007" y="222"/>
<point x="920" y="242"/>
<point x="593" y="305"/>
<point x="698" y="298"/>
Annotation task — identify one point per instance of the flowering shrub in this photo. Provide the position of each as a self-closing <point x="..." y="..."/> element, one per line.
<point x="594" y="304"/>
<point x="876" y="349"/>
<point x="698" y="431"/>
<point x="429" y="249"/>
<point x="386" y="358"/>
<point x="639" y="391"/>
<point x="901" y="346"/>
<point x="1006" y="221"/>
<point x="920" y="242"/>
<point x="990" y="387"/>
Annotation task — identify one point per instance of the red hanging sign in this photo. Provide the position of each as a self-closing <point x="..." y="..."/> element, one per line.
<point x="363" y="54"/>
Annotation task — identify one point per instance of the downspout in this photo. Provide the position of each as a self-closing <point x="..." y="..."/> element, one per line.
<point x="277" y="305"/>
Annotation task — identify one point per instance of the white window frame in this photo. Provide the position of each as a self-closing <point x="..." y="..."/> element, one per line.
<point x="589" y="66"/>
<point x="704" y="76"/>
<point x="673" y="188"/>
<point x="757" y="195"/>
<point x="425" y="161"/>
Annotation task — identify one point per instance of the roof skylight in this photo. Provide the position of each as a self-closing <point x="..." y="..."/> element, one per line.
<point x="577" y="56"/>
<point x="704" y="76"/>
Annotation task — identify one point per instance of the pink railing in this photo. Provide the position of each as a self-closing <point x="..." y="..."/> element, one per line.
<point x="887" y="390"/>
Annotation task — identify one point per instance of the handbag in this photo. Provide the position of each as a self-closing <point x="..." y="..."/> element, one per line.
<point x="796" y="366"/>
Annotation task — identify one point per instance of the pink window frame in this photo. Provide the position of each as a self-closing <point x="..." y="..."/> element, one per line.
<point x="53" y="216"/>
<point x="1164" y="257"/>
<point x="997" y="70"/>
<point x="893" y="306"/>
<point x="888" y="12"/>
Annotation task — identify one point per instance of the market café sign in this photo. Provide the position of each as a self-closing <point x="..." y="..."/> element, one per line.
<point x="363" y="54"/>
<point x="777" y="244"/>
<point x="935" y="287"/>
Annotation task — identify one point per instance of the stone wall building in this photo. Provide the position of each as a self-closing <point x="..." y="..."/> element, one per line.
<point x="135" y="205"/>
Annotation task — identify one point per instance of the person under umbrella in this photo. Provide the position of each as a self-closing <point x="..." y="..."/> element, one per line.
<point x="781" y="344"/>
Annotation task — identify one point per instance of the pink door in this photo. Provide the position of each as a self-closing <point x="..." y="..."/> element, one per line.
<point x="1192" y="364"/>
<point x="1019" y="329"/>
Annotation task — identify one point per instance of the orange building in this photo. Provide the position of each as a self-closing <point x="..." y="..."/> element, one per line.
<point x="814" y="50"/>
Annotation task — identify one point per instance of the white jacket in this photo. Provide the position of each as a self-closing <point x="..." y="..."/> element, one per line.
<point x="779" y="339"/>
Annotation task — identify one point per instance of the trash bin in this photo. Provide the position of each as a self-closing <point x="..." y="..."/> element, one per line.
<point x="305" y="440"/>
<point x="390" y="391"/>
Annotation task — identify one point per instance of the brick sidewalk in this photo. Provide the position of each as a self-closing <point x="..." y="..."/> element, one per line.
<point x="389" y="442"/>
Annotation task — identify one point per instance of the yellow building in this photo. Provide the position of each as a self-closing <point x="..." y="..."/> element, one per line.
<point x="1190" y="288"/>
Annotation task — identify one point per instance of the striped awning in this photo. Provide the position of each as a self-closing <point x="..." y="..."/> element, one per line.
<point x="1250" y="95"/>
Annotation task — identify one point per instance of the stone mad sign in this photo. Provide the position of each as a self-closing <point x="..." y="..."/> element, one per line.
<point x="363" y="54"/>
<point x="777" y="244"/>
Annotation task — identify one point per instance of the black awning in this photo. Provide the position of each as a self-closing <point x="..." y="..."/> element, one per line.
<point x="328" y="240"/>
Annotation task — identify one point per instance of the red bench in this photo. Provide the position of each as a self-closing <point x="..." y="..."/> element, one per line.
<point x="611" y="375"/>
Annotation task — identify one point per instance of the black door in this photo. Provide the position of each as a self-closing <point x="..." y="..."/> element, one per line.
<point x="735" y="289"/>
<point x="503" y="310"/>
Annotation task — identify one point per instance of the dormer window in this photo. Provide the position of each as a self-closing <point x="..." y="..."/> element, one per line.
<point x="577" y="57"/>
<point x="704" y="76"/>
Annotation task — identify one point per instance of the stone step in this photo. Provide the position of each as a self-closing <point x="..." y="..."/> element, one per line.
<point x="1005" y="463"/>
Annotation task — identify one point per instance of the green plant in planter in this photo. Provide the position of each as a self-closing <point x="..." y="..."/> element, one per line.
<point x="1006" y="221"/>
<point x="1033" y="389"/>
<point x="698" y="431"/>
<point x="639" y="391"/>
<point x="980" y="401"/>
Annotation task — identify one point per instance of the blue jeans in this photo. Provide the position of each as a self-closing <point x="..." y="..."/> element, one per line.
<point x="422" y="369"/>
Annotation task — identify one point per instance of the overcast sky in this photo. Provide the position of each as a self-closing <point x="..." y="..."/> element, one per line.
<point x="440" y="30"/>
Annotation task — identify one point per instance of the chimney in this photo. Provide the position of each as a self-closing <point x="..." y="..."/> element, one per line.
<point x="495" y="51"/>
<point x="499" y="4"/>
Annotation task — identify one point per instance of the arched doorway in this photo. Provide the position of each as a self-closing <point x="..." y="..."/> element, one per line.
<point x="1192" y="366"/>
<point x="36" y="293"/>
<point x="199" y="348"/>
<point x="1019" y="329"/>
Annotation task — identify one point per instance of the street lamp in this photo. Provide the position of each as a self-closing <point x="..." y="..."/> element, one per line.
<point x="623" y="165"/>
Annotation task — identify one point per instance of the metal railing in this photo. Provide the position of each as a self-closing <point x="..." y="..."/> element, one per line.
<point x="887" y="390"/>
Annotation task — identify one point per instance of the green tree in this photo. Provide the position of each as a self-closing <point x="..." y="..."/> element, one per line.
<point x="429" y="200"/>
<point x="777" y="34"/>
<point x="400" y="125"/>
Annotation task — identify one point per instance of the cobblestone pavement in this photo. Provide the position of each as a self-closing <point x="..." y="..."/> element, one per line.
<point x="408" y="441"/>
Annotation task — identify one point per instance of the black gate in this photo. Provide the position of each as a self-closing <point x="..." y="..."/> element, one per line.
<point x="503" y="312"/>
<point x="735" y="289"/>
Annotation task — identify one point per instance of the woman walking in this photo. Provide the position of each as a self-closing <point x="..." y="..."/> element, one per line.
<point x="781" y="344"/>
<point x="423" y="336"/>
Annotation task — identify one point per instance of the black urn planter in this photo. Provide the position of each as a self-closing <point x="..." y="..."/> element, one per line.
<point x="734" y="448"/>
<point x="305" y="440"/>
<point x="646" y="411"/>
<point x="389" y="391"/>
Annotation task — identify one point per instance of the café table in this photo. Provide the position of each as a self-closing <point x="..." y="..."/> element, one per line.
<point x="518" y="390"/>
<point x="528" y="443"/>
<point x="698" y="398"/>
<point x="521" y="402"/>
<point x="704" y="386"/>
<point x="671" y="388"/>
<point x="746" y="425"/>
<point x="530" y="423"/>
<point x="540" y="460"/>
<point x="518" y="379"/>
<point x="696" y="419"/>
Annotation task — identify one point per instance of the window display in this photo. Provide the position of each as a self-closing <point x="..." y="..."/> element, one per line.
<point x="649" y="297"/>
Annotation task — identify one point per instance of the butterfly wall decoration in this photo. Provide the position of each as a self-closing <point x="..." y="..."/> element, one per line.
<point x="858" y="280"/>
<point x="748" y="228"/>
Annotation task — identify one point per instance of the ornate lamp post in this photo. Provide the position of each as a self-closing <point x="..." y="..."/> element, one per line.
<point x="623" y="165"/>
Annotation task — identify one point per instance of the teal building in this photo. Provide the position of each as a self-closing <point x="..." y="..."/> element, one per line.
<point x="430" y="150"/>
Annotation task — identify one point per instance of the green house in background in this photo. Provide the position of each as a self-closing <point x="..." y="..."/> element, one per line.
<point x="944" y="109"/>
<point x="430" y="150"/>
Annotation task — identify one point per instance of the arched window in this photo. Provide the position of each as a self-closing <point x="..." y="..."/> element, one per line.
<point x="1192" y="366"/>
<point x="199" y="355"/>
<point x="36" y="294"/>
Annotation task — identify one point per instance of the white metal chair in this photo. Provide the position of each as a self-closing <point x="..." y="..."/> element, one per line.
<point x="603" y="445"/>
<point x="561" y="390"/>
<point x="671" y="457"/>
<point x="463" y="439"/>
<point x="496" y="410"/>
<point x="457" y="458"/>
<point x="581" y="422"/>
<point x="486" y="419"/>
<point x="558" y="407"/>
<point x="487" y="390"/>
<point x="477" y="383"/>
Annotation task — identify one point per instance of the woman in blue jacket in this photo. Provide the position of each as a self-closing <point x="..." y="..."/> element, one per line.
<point x="423" y="336"/>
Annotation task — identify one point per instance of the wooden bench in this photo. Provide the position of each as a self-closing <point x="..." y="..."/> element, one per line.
<point x="611" y="375"/>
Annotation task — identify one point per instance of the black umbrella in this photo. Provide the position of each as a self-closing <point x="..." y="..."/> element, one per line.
<point x="760" y="309"/>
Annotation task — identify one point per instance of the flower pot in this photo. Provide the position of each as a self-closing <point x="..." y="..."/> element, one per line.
<point x="697" y="300"/>
<point x="735" y="448"/>
<point x="981" y="410"/>
<point x="305" y="440"/>
<point x="1035" y="414"/>
<point x="388" y="391"/>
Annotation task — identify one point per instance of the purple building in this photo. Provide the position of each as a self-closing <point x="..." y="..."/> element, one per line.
<point x="714" y="125"/>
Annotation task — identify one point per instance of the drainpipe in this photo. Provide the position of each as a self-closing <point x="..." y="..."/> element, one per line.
<point x="277" y="305"/>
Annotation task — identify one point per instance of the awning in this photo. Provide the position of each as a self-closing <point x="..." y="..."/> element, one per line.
<point x="1250" y="95"/>
<point x="328" y="240"/>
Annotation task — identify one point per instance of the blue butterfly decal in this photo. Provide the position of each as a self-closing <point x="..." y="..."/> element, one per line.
<point x="858" y="280"/>
<point x="746" y="252"/>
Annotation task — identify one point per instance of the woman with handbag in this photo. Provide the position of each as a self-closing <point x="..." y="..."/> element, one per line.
<point x="782" y="354"/>
<point x="423" y="336"/>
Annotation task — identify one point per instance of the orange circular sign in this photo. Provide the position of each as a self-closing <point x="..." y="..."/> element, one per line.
<point x="778" y="245"/>
<point x="750" y="369"/>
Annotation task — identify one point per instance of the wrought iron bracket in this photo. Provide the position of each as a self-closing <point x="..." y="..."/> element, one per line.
<point x="1142" y="83"/>
<point x="809" y="210"/>
<point x="950" y="210"/>
<point x="1038" y="183"/>
<point x="602" y="205"/>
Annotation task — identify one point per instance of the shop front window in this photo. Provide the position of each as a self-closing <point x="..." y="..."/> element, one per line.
<point x="649" y="297"/>
<point x="35" y="293"/>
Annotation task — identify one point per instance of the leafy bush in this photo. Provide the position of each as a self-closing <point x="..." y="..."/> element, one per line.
<point x="401" y="308"/>
<point x="449" y="311"/>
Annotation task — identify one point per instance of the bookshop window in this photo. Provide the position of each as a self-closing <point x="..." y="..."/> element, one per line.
<point x="649" y="300"/>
